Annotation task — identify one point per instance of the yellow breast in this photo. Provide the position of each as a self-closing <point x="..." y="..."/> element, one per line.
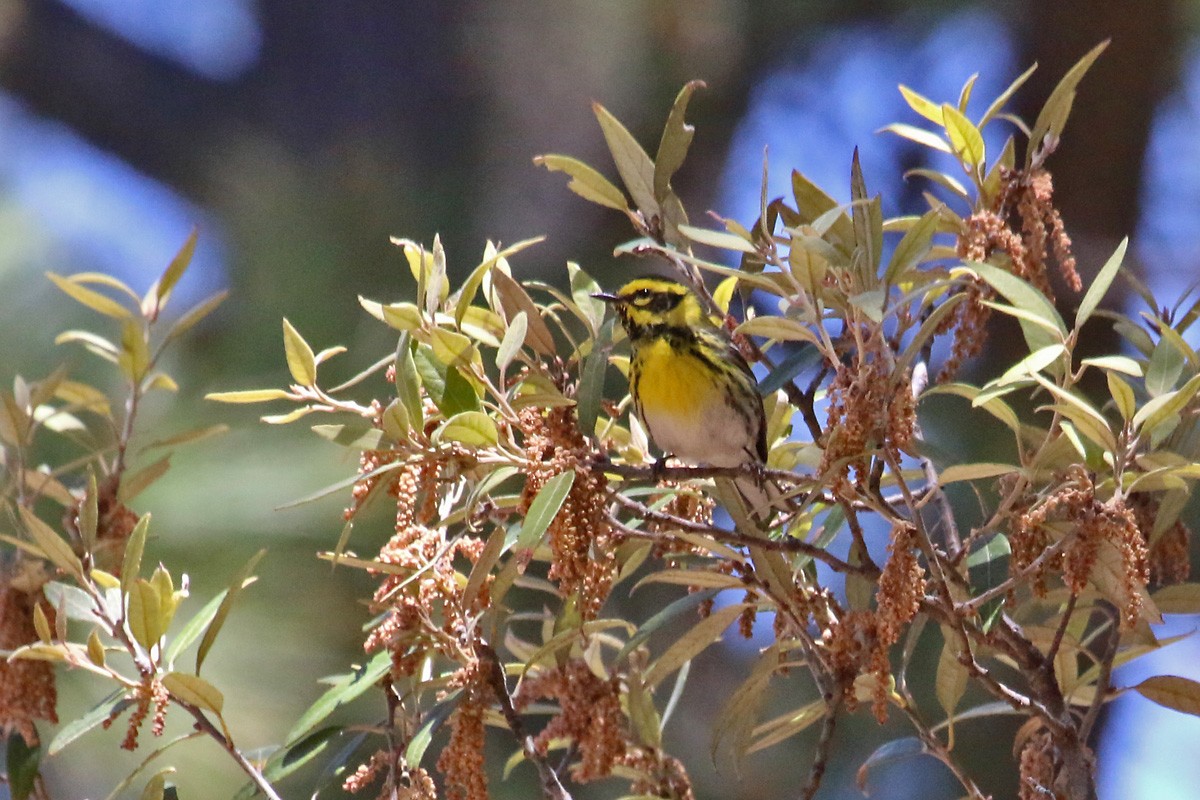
<point x="674" y="383"/>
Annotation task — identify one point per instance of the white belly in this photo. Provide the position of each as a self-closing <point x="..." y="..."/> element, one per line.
<point x="714" y="435"/>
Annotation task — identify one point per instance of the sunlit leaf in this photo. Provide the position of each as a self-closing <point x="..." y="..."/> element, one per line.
<point x="302" y="364"/>
<point x="90" y="298"/>
<point x="194" y="690"/>
<point x="472" y="428"/>
<point x="248" y="396"/>
<point x="635" y="167"/>
<point x="965" y="138"/>
<point x="585" y="181"/>
<point x="174" y="271"/>
<point x="143" y="613"/>
<point x="1053" y="116"/>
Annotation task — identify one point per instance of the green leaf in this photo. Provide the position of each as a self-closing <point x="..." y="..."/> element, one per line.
<point x="964" y="137"/>
<point x="175" y="270"/>
<point x="951" y="681"/>
<point x="514" y="299"/>
<point x="491" y="258"/>
<point x="543" y="509"/>
<point x="998" y="104"/>
<point x="1173" y="692"/>
<point x="996" y="547"/>
<point x="1099" y="287"/>
<point x="188" y="437"/>
<point x="787" y="725"/>
<point x="192" y="629"/>
<point x="812" y="202"/>
<point x="54" y="547"/>
<point x="585" y="181"/>
<point x="895" y="750"/>
<point x="300" y="359"/>
<point x="913" y="247"/>
<point x="676" y="139"/>
<point x="1053" y="117"/>
<point x="591" y="379"/>
<point x="778" y="328"/>
<point x="144" y="613"/>
<point x="90" y="298"/>
<point x="635" y="167"/>
<point x="973" y="472"/>
<point x="718" y="239"/>
<point x="514" y="337"/>
<point x="694" y="641"/>
<point x="1158" y="410"/>
<point x="408" y="380"/>
<point x="1165" y="367"/>
<point x="919" y="135"/>
<point x="131" y="565"/>
<point x="194" y="690"/>
<point x="345" y="690"/>
<point x="356" y="435"/>
<point x="223" y="609"/>
<point x="135" y="484"/>
<point x="1032" y="304"/>
<point x="248" y="396"/>
<point x="1122" y="395"/>
<point x="194" y="315"/>
<point x="922" y="105"/>
<point x="472" y="428"/>
<point x="110" y="706"/>
<point x="23" y="762"/>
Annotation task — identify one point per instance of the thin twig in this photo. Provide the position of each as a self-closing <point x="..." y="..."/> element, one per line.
<point x="821" y="758"/>
<point x="205" y="725"/>
<point x="789" y="545"/>
<point x="1111" y="644"/>
<point x="552" y="787"/>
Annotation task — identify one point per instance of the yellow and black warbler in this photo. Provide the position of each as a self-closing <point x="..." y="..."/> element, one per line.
<point x="690" y="386"/>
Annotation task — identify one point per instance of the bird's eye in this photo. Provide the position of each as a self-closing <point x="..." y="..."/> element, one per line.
<point x="642" y="294"/>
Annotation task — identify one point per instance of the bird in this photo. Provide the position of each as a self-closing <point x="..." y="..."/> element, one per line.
<point x="693" y="391"/>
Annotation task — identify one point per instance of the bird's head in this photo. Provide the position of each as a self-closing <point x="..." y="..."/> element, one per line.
<point x="654" y="302"/>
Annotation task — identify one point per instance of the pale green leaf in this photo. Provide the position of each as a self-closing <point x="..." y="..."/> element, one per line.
<point x="1099" y="287"/>
<point x="585" y="181"/>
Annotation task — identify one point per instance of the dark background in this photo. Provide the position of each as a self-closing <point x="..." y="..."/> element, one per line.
<point x="299" y="136"/>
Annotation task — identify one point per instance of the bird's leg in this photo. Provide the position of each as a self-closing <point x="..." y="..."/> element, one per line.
<point x="659" y="467"/>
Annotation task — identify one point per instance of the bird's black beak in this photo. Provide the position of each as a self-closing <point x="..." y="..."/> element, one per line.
<point x="608" y="298"/>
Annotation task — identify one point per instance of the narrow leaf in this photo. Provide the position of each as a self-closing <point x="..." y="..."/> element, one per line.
<point x="543" y="509"/>
<point x="1173" y="692"/>
<point x="248" y="396"/>
<point x="676" y="139"/>
<point x="1099" y="287"/>
<point x="218" y="620"/>
<point x="585" y="181"/>
<point x="693" y="642"/>
<point x="91" y="298"/>
<point x="55" y="548"/>
<point x="175" y="269"/>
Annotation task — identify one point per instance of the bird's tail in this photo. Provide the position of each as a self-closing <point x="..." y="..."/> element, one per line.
<point x="751" y="499"/>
